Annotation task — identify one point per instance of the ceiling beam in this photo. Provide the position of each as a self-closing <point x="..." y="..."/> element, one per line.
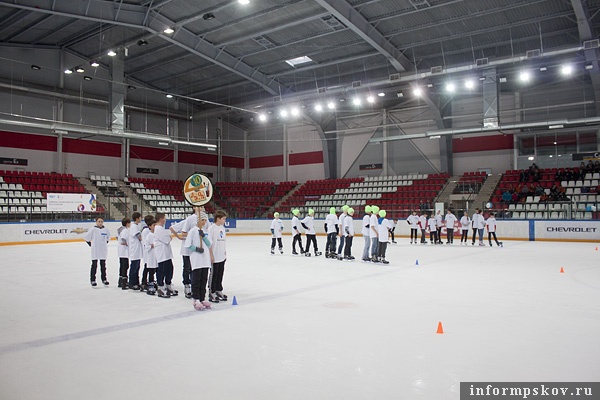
<point x="133" y="16"/>
<point x="586" y="32"/>
<point x="343" y="11"/>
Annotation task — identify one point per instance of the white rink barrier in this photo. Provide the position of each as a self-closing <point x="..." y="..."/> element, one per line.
<point x="583" y="231"/>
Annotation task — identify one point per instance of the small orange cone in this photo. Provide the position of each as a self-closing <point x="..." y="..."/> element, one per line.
<point x="440" y="330"/>
<point x="562" y="271"/>
<point x="596" y="248"/>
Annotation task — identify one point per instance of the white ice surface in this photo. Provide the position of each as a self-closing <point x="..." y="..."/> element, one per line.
<point x="305" y="328"/>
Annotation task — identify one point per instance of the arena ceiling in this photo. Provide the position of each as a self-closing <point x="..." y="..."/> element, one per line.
<point x="237" y="54"/>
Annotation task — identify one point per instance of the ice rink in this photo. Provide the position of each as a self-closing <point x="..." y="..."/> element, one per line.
<point x="304" y="328"/>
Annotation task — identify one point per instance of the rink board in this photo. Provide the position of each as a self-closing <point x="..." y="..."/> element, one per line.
<point x="557" y="230"/>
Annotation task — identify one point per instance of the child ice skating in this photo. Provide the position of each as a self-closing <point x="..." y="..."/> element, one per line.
<point x="199" y="244"/>
<point x="164" y="256"/>
<point x="308" y="223"/>
<point x="349" y="234"/>
<point x="491" y="228"/>
<point x="276" y="232"/>
<point x="123" y="252"/>
<point x="297" y="236"/>
<point x="332" y="230"/>
<point x="97" y="238"/>
<point x="218" y="255"/>
<point x="465" y="225"/>
<point x="150" y="257"/>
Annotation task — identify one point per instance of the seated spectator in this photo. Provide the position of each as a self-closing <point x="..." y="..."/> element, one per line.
<point x="597" y="166"/>
<point x="576" y="174"/>
<point x="590" y="166"/>
<point x="560" y="175"/>
<point x="515" y="197"/>
<point x="523" y="176"/>
<point x="568" y="175"/>
<point x="543" y="197"/>
<point x="538" y="190"/>
<point x="506" y="196"/>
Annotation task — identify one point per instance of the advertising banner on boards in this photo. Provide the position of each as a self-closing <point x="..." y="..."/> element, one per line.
<point x="71" y="202"/>
<point x="567" y="230"/>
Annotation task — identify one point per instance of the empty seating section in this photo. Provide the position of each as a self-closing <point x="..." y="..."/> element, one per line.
<point x="163" y="195"/>
<point x="470" y="182"/>
<point x="25" y="192"/>
<point x="103" y="181"/>
<point x="548" y="196"/>
<point x="250" y="199"/>
<point x="396" y="194"/>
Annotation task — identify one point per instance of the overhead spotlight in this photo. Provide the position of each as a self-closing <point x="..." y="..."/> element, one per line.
<point x="111" y="53"/>
<point x="482" y="78"/>
<point x="356" y="101"/>
<point x="208" y="16"/>
<point x="169" y="96"/>
<point x="331" y="105"/>
<point x="169" y="30"/>
<point x="244" y="2"/>
<point x="469" y="84"/>
<point x="430" y="85"/>
<point x="36" y="67"/>
<point x="68" y="71"/>
<point x="342" y="100"/>
<point x="283" y="113"/>
<point x="450" y="87"/>
<point x="87" y="78"/>
<point x="525" y="76"/>
<point x="370" y="99"/>
<point x="417" y="91"/>
<point x="588" y="66"/>
<point x="262" y="117"/>
<point x="502" y="79"/>
<point x="399" y="94"/>
<point x="531" y="158"/>
<point x="295" y="111"/>
<point x="381" y="94"/>
<point x="80" y="70"/>
<point x="94" y="64"/>
<point x="566" y="70"/>
<point x="318" y="107"/>
<point x="131" y="87"/>
<point x="142" y="42"/>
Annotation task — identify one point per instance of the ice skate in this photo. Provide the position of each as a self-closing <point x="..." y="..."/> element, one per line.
<point x="143" y="287"/>
<point x="272" y="251"/>
<point x="205" y="303"/>
<point x="171" y="291"/>
<point x="212" y="297"/>
<point x="151" y="289"/>
<point x="318" y="253"/>
<point x="105" y="282"/>
<point x="124" y="283"/>
<point x="481" y="244"/>
<point x="366" y="259"/>
<point x="221" y="296"/>
<point x="93" y="283"/>
<point x="135" y="287"/>
<point x="198" y="305"/>
<point x="187" y="290"/>
<point x="383" y="260"/>
<point x="307" y="254"/>
<point x="162" y="292"/>
<point x="280" y="250"/>
<point x="294" y="252"/>
<point x="501" y="244"/>
<point x="374" y="259"/>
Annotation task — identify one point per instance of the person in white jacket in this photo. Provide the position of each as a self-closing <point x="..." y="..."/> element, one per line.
<point x="123" y="252"/>
<point x="97" y="238"/>
<point x="432" y="225"/>
<point x="198" y="242"/>
<point x="297" y="236"/>
<point x="413" y="222"/>
<point x="450" y="221"/>
<point x="164" y="257"/>
<point x="439" y="222"/>
<point x="423" y="227"/>
<point x="308" y="223"/>
<point x="332" y="230"/>
<point x="276" y="233"/>
<point x="491" y="228"/>
<point x="349" y="234"/>
<point x="465" y="225"/>
<point x="366" y="224"/>
<point x="374" y="233"/>
<point x="478" y="224"/>
<point x="384" y="227"/>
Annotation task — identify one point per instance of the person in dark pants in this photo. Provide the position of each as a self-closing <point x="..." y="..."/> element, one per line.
<point x="296" y="233"/>
<point x="97" y="238"/>
<point x="123" y="252"/>
<point x="218" y="256"/>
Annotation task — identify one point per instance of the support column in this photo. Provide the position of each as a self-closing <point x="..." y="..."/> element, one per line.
<point x="384" y="121"/>
<point x="246" y="158"/>
<point x="59" y="154"/>
<point x="125" y="157"/>
<point x="286" y="166"/>
<point x="176" y="160"/>
<point x="117" y="92"/>
<point x="219" y="149"/>
<point x="490" y="98"/>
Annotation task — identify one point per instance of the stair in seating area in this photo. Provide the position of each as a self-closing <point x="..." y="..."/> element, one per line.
<point x="277" y="204"/>
<point x="115" y="213"/>
<point x="444" y="196"/>
<point x="487" y="190"/>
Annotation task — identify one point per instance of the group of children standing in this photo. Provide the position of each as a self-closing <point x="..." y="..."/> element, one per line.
<point x="434" y="224"/>
<point x="202" y="248"/>
<point x="376" y="230"/>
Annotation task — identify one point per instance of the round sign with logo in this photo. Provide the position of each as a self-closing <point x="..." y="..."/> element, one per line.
<point x="197" y="190"/>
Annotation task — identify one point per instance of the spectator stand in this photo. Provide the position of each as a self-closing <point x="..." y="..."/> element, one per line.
<point x="23" y="195"/>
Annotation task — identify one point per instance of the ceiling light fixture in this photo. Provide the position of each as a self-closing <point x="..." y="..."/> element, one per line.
<point x="381" y="94"/>
<point x="36" y="67"/>
<point x="244" y="2"/>
<point x="469" y="84"/>
<point x="331" y="105"/>
<point x="80" y="70"/>
<point x="262" y="117"/>
<point x="417" y="91"/>
<point x="525" y="76"/>
<point x="169" y="30"/>
<point x="169" y="96"/>
<point x="566" y="70"/>
<point x="356" y="101"/>
<point x="208" y="16"/>
<point x="450" y="87"/>
<point x="283" y="113"/>
<point x="295" y="111"/>
<point x="87" y="78"/>
<point x="318" y="107"/>
<point x="68" y="71"/>
<point x="94" y="64"/>
<point x="111" y="53"/>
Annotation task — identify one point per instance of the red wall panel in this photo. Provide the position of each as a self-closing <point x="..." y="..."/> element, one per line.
<point x="151" y="153"/>
<point x="313" y="157"/>
<point x="91" y="147"/>
<point x="482" y="143"/>
<point x="28" y="141"/>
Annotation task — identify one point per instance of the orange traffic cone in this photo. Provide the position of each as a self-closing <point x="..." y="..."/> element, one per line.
<point x="440" y="330"/>
<point x="562" y="271"/>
